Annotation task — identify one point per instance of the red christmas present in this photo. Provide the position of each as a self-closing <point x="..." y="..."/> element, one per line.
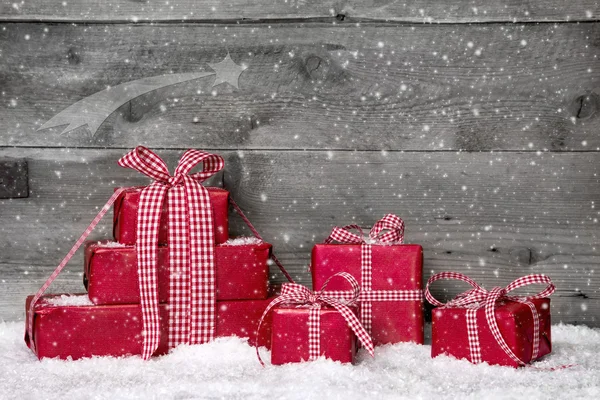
<point x="126" y="216"/>
<point x="492" y="327"/>
<point x="390" y="275"/>
<point x="111" y="276"/>
<point x="307" y="325"/>
<point x="85" y="330"/>
<point x="290" y="335"/>
<point x="192" y="295"/>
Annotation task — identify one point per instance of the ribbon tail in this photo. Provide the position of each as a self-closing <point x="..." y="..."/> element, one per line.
<point x="354" y="323"/>
<point x="278" y="300"/>
<point x="148" y="223"/>
<point x="202" y="269"/>
<point x="64" y="262"/>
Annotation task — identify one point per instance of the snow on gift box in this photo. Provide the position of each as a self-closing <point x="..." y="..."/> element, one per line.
<point x="69" y="328"/>
<point x="111" y="277"/>
<point x="307" y="325"/>
<point x="492" y="327"/>
<point x="389" y="272"/>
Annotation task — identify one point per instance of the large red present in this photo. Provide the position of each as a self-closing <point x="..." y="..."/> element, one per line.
<point x="84" y="330"/>
<point x="492" y="327"/>
<point x="192" y="281"/>
<point x="308" y="325"/>
<point x="126" y="216"/>
<point x="111" y="276"/>
<point x="390" y="275"/>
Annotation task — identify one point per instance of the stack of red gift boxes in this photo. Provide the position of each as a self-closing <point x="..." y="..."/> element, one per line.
<point x="111" y="324"/>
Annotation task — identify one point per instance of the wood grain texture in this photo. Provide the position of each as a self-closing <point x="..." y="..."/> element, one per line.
<point x="14" y="182"/>
<point x="492" y="216"/>
<point x="419" y="11"/>
<point x="365" y="87"/>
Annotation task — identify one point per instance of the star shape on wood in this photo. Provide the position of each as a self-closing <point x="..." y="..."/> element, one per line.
<point x="227" y="72"/>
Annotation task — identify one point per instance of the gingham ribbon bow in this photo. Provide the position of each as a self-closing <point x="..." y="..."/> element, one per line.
<point x="293" y="293"/>
<point x="192" y="298"/>
<point x="478" y="297"/>
<point x="390" y="223"/>
<point x="388" y="230"/>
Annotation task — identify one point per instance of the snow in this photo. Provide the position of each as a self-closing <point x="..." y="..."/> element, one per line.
<point x="76" y="300"/>
<point x="228" y="368"/>
<point x="242" y="241"/>
<point x="111" y="244"/>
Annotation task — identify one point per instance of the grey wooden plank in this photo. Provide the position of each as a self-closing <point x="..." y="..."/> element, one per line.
<point x="419" y="11"/>
<point x="14" y="182"/>
<point x="374" y="87"/>
<point x="494" y="216"/>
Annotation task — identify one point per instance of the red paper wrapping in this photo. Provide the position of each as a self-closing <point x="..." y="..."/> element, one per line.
<point x="115" y="330"/>
<point x="515" y="321"/>
<point x="111" y="277"/>
<point x="126" y="210"/>
<point x="394" y="267"/>
<point x="289" y="342"/>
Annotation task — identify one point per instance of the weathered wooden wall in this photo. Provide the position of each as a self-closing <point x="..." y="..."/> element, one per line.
<point x="476" y="121"/>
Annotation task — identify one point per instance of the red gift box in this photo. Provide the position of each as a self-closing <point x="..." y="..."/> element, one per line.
<point x="126" y="211"/>
<point x="394" y="268"/>
<point x="290" y="337"/>
<point x="515" y="321"/>
<point x="66" y="331"/>
<point x="492" y="326"/>
<point x="111" y="276"/>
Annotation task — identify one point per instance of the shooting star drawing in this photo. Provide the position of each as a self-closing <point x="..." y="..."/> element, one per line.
<point x="93" y="110"/>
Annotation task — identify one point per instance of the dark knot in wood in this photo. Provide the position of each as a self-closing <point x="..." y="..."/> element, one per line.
<point x="316" y="68"/>
<point x="73" y="56"/>
<point x="585" y="106"/>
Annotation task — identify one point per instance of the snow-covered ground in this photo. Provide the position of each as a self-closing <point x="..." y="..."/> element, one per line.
<point x="228" y="368"/>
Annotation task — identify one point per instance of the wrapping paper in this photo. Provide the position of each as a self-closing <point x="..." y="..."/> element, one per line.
<point x="515" y="320"/>
<point x="126" y="209"/>
<point x="111" y="277"/>
<point x="115" y="330"/>
<point x="394" y="267"/>
<point x="289" y="342"/>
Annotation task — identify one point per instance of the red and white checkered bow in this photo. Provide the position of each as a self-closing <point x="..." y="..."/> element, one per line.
<point x="192" y="298"/>
<point x="390" y="223"/>
<point x="293" y="293"/>
<point x="388" y="230"/>
<point x="478" y="297"/>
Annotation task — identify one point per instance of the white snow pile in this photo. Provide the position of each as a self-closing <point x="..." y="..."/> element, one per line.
<point x="242" y="241"/>
<point x="77" y="300"/>
<point x="228" y="369"/>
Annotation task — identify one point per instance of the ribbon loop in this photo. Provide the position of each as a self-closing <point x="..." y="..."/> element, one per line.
<point x="147" y="162"/>
<point x="394" y="226"/>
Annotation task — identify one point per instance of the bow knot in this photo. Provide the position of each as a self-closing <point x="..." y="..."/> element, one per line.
<point x="175" y="180"/>
<point x="388" y="230"/>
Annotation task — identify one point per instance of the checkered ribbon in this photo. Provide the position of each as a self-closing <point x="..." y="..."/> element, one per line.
<point x="64" y="262"/>
<point x="192" y="298"/>
<point x="388" y="230"/>
<point x="478" y="297"/>
<point x="295" y="294"/>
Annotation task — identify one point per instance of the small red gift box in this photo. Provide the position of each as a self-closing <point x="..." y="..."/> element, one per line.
<point x="492" y="327"/>
<point x="393" y="268"/>
<point x="76" y="331"/>
<point x="111" y="275"/>
<point x="449" y="334"/>
<point x="290" y="343"/>
<point x="126" y="212"/>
